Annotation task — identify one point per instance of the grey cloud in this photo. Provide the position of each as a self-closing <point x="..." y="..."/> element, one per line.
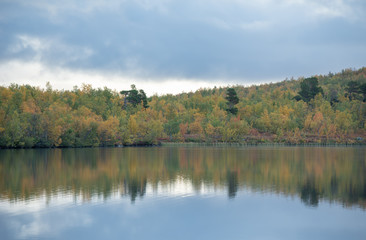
<point x="188" y="39"/>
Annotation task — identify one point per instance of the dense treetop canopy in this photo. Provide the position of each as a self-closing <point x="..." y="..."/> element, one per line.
<point x="320" y="109"/>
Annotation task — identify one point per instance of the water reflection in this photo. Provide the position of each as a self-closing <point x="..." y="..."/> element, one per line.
<point x="309" y="194"/>
<point x="135" y="188"/>
<point x="232" y="182"/>
<point x="312" y="174"/>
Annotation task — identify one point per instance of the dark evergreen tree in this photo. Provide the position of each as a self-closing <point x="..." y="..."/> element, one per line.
<point x="135" y="97"/>
<point x="353" y="88"/>
<point x="232" y="100"/>
<point x="309" y="89"/>
<point x="363" y="91"/>
<point x="143" y="98"/>
<point x="333" y="97"/>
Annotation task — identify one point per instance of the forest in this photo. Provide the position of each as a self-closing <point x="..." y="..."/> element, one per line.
<point x="321" y="109"/>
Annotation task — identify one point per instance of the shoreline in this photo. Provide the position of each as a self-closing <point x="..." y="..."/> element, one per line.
<point x="206" y="144"/>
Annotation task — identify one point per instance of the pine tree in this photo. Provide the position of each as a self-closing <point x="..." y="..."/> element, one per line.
<point x="232" y="100"/>
<point x="135" y="97"/>
<point x="353" y="88"/>
<point x="363" y="91"/>
<point x="309" y="89"/>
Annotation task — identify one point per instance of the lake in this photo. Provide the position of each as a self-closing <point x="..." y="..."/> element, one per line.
<point x="183" y="192"/>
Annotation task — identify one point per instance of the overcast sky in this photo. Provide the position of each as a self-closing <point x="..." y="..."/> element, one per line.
<point x="170" y="46"/>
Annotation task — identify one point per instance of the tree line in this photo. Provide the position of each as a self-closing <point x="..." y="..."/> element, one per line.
<point x="321" y="109"/>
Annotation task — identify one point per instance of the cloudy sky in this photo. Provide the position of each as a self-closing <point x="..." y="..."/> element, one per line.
<point x="170" y="46"/>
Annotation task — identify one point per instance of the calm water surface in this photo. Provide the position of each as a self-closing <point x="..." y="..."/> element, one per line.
<point x="183" y="193"/>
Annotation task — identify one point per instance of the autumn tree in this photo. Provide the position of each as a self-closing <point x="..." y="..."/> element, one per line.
<point x="36" y="117"/>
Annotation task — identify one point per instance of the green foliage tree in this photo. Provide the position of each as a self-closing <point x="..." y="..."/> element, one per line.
<point x="172" y="127"/>
<point x="309" y="89"/>
<point x="68" y="138"/>
<point x="363" y="91"/>
<point x="135" y="97"/>
<point x="352" y="90"/>
<point x="333" y="96"/>
<point x="232" y="100"/>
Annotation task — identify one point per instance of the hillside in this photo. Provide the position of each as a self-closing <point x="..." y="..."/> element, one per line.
<point x="35" y="117"/>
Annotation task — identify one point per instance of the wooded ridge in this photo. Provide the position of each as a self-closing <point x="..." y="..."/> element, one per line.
<point x="322" y="109"/>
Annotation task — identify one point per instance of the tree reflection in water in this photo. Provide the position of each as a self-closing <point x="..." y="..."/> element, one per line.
<point x="232" y="182"/>
<point x="136" y="188"/>
<point x="311" y="173"/>
<point x="309" y="194"/>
